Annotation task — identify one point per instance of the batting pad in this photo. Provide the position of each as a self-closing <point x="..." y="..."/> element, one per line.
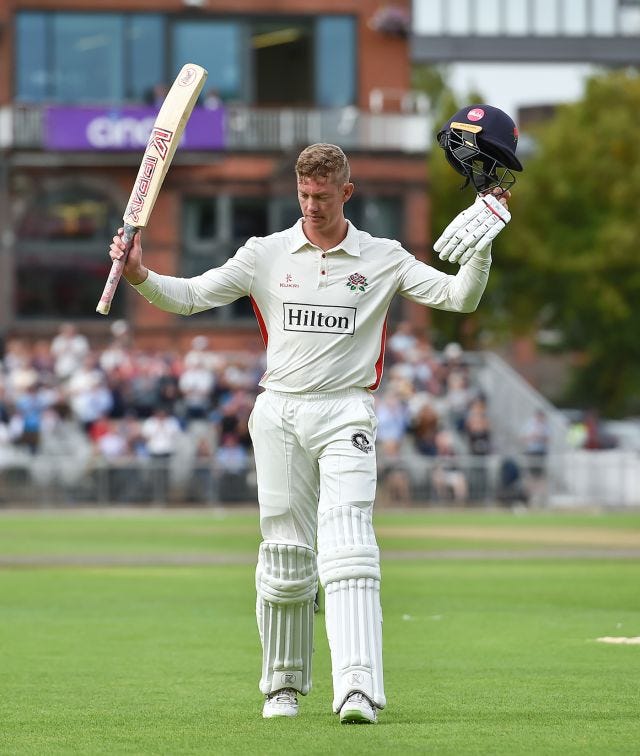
<point x="286" y="585"/>
<point x="349" y="568"/>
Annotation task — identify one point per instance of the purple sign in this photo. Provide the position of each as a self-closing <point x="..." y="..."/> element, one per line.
<point x="123" y="129"/>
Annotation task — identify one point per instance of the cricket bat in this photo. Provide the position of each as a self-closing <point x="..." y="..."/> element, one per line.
<point x="163" y="141"/>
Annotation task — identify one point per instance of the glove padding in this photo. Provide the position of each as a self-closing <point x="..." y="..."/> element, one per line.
<point x="472" y="230"/>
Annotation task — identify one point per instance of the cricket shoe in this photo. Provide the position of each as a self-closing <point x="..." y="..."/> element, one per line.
<point x="281" y="703"/>
<point x="358" y="709"/>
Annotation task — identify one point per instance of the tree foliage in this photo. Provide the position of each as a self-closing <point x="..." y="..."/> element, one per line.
<point x="569" y="260"/>
<point x="568" y="263"/>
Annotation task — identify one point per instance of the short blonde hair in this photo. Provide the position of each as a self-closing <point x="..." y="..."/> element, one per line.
<point x="325" y="161"/>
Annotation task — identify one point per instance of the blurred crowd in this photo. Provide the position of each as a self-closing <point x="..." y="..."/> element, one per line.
<point x="62" y="399"/>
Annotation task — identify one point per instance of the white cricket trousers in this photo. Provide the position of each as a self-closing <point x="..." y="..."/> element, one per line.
<point x="316" y="473"/>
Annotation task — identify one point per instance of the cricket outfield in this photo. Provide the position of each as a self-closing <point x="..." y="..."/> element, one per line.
<point x="133" y="631"/>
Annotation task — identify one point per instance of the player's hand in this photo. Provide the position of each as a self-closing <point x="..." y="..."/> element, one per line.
<point x="474" y="228"/>
<point x="134" y="271"/>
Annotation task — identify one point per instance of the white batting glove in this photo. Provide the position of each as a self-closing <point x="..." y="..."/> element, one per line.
<point x="472" y="230"/>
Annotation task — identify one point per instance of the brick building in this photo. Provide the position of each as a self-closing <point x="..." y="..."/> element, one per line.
<point x="78" y="83"/>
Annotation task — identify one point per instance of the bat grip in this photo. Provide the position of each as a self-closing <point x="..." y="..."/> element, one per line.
<point x="104" y="305"/>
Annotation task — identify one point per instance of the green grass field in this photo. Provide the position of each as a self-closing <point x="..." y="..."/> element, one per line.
<point x="134" y="632"/>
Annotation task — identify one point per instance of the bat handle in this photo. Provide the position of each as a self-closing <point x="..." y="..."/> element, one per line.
<point x="104" y="305"/>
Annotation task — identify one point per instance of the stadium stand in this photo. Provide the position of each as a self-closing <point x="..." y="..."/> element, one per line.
<point x="124" y="425"/>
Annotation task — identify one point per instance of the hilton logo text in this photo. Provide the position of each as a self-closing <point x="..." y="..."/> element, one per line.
<point x="319" y="318"/>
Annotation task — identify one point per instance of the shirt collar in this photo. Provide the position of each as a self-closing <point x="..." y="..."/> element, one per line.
<point x="350" y="244"/>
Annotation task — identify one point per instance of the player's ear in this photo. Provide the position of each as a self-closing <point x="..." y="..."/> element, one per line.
<point x="347" y="191"/>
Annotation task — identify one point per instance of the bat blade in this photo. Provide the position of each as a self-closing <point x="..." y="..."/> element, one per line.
<point x="163" y="141"/>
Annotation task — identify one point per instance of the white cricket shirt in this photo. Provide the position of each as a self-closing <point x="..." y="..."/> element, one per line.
<point x="322" y="314"/>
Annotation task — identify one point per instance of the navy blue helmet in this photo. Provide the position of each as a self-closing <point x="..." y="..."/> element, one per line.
<point x="480" y="142"/>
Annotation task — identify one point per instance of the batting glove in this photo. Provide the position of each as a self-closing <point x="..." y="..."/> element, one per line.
<point x="472" y="230"/>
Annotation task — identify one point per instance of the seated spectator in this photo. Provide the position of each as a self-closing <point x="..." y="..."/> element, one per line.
<point x="64" y="452"/>
<point x="449" y="480"/>
<point x="69" y="349"/>
<point x="457" y="398"/>
<point x="232" y="462"/>
<point x="196" y="385"/>
<point x="123" y="479"/>
<point x="401" y="341"/>
<point x="163" y="433"/>
<point x="535" y="440"/>
<point x="88" y="393"/>
<point x="511" y="488"/>
<point x="393" y="422"/>
<point x="477" y="429"/>
<point x="424" y="429"/>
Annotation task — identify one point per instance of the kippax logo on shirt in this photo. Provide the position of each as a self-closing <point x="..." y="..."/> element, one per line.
<point x="319" y="318"/>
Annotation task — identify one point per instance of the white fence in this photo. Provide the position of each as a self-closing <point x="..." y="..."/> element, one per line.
<point x="570" y="479"/>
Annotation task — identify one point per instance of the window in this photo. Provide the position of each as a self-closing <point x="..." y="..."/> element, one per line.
<point x="87" y="50"/>
<point x="61" y="260"/>
<point x="379" y="216"/>
<point x="214" y="228"/>
<point x="88" y="57"/>
<point x="32" y="71"/>
<point x="145" y="47"/>
<point x="109" y="58"/>
<point x="335" y="61"/>
<point x="282" y="63"/>
<point x="216" y="45"/>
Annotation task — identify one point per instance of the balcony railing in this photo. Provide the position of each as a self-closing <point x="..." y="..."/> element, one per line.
<point x="245" y="128"/>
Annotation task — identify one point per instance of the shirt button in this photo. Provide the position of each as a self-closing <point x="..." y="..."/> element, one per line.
<point x="322" y="272"/>
<point x="323" y="255"/>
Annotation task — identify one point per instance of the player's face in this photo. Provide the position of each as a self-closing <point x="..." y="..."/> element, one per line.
<point x="321" y="201"/>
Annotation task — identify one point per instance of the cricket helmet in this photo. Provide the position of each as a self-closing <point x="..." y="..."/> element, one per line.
<point x="480" y="142"/>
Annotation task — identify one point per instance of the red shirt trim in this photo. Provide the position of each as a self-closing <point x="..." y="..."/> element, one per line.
<point x="261" y="323"/>
<point x="380" y="362"/>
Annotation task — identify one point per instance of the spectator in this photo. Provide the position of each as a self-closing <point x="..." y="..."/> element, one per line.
<point x="535" y="437"/>
<point x="69" y="349"/>
<point x="449" y="480"/>
<point x="88" y="393"/>
<point x="477" y="429"/>
<point x="212" y="100"/>
<point x="162" y="433"/>
<point x="200" y="355"/>
<point x="424" y="428"/>
<point x="232" y="461"/>
<point x="457" y="399"/>
<point x="196" y="385"/>
<point x="112" y="446"/>
<point x="511" y="488"/>
<point x="118" y="351"/>
<point x="393" y="423"/>
<point x="64" y="452"/>
<point x="29" y="408"/>
<point x="402" y="341"/>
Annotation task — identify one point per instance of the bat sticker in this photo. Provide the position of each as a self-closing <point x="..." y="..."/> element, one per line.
<point x="141" y="188"/>
<point x="160" y="139"/>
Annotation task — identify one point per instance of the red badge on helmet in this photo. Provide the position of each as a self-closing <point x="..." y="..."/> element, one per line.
<point x="475" y="114"/>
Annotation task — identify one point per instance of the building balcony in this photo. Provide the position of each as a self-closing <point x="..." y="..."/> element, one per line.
<point x="235" y="128"/>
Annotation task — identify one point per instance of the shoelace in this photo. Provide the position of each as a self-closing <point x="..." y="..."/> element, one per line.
<point x="285" y="696"/>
